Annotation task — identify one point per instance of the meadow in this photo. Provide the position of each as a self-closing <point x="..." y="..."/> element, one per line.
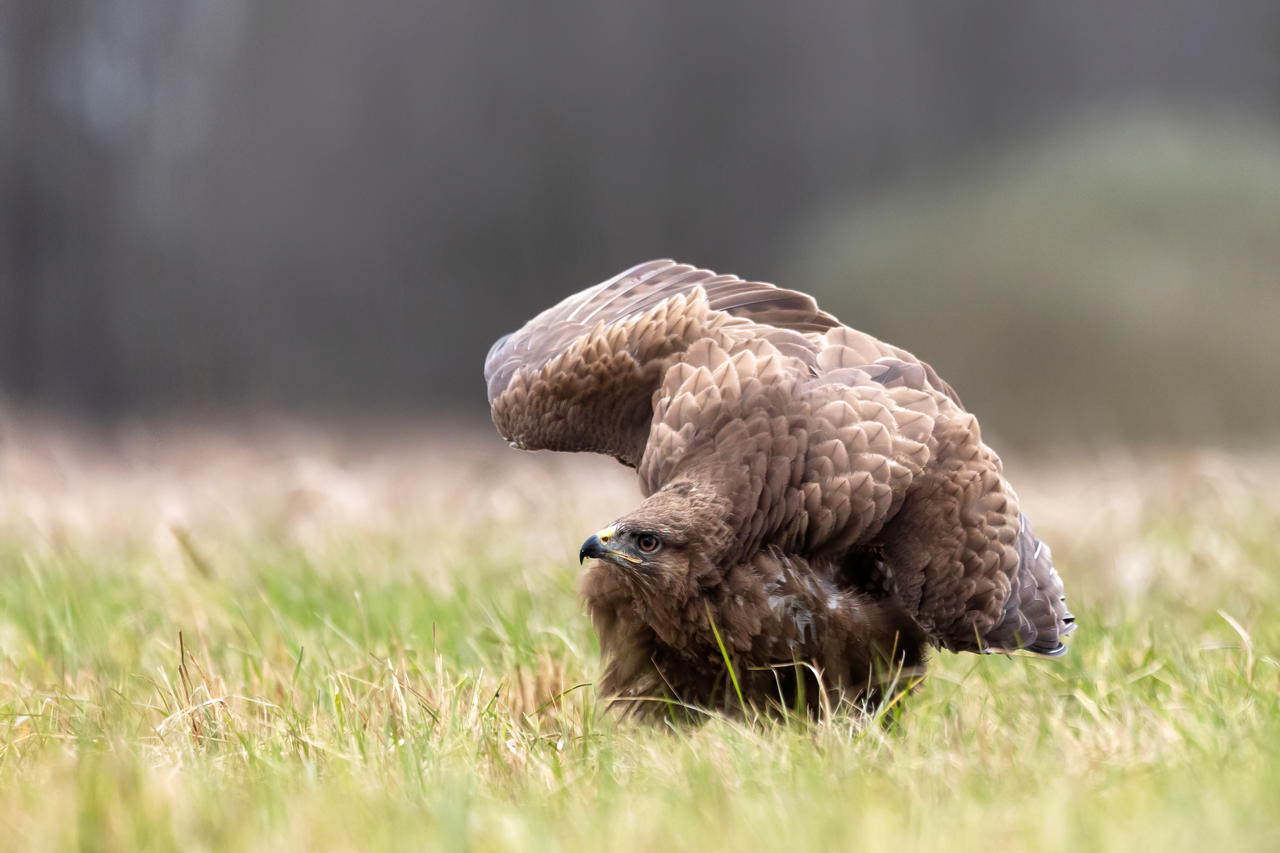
<point x="275" y="637"/>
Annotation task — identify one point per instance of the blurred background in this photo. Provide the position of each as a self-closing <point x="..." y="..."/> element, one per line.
<point x="331" y="209"/>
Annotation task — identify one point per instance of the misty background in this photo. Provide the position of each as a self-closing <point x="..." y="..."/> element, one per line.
<point x="209" y="206"/>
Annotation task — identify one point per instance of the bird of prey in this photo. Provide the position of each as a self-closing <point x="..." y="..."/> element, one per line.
<point x="819" y="508"/>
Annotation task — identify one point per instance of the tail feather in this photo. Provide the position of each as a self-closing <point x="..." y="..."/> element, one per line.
<point x="1036" y="616"/>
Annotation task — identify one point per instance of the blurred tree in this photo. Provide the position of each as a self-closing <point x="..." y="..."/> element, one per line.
<point x="59" y="189"/>
<point x="1121" y="279"/>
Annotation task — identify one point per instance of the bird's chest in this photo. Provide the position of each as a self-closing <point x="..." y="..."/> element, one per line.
<point x="773" y="609"/>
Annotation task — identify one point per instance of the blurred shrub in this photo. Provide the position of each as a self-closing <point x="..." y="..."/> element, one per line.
<point x="1111" y="281"/>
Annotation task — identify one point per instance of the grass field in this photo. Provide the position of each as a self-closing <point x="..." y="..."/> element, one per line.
<point x="267" y="638"/>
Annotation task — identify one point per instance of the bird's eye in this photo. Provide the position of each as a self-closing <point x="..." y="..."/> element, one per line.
<point x="648" y="543"/>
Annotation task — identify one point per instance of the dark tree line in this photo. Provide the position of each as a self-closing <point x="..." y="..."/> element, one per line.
<point x="335" y="205"/>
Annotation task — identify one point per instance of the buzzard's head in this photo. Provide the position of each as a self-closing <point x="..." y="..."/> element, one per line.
<point x="665" y="548"/>
<point x="624" y="547"/>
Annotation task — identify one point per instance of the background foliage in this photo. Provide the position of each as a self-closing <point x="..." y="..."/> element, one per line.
<point x="323" y="206"/>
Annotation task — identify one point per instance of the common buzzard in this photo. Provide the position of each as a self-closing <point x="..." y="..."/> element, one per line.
<point x="819" y="507"/>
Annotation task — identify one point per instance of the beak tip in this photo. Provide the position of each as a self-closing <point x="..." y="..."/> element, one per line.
<point x="593" y="547"/>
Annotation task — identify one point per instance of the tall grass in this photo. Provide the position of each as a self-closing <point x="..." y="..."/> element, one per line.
<point x="267" y="639"/>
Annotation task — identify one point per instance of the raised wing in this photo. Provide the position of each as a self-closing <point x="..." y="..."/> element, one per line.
<point x="581" y="375"/>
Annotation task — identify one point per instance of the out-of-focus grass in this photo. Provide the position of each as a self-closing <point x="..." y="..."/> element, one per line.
<point x="274" y="638"/>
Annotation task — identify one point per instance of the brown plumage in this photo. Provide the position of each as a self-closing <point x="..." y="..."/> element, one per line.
<point x="819" y="506"/>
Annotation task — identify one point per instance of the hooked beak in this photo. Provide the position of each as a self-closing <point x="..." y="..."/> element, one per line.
<point x="593" y="547"/>
<point x="597" y="546"/>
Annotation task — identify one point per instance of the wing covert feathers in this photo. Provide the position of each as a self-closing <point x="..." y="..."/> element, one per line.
<point x="826" y="441"/>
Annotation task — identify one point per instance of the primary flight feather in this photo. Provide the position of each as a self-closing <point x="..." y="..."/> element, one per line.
<point x="819" y="507"/>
